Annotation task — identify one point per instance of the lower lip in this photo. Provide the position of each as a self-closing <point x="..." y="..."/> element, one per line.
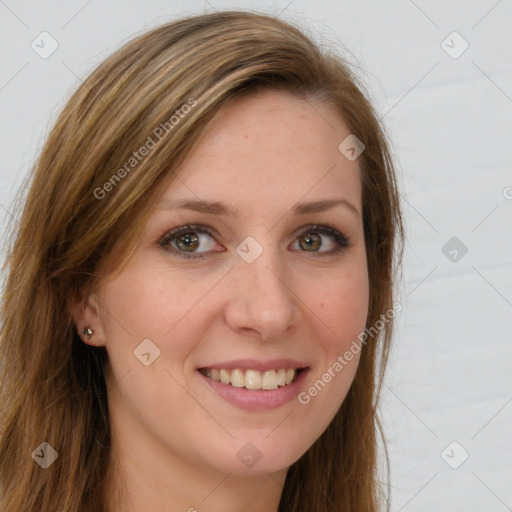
<point x="254" y="399"/>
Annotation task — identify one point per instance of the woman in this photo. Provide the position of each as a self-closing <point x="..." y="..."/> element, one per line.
<point x="198" y="304"/>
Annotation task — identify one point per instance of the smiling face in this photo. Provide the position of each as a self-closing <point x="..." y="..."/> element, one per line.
<point x="272" y="287"/>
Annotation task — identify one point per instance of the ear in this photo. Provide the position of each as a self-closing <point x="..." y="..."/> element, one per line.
<point x="85" y="313"/>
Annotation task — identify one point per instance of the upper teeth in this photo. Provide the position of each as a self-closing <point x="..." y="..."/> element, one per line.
<point x="251" y="379"/>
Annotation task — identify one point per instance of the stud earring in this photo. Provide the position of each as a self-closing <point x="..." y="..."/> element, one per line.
<point x="88" y="332"/>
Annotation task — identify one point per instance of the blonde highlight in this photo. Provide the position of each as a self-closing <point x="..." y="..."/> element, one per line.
<point x="52" y="386"/>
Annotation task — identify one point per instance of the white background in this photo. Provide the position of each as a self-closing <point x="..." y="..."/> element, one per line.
<point x="450" y="120"/>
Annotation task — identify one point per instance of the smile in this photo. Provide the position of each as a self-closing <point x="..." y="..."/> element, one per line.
<point x="253" y="379"/>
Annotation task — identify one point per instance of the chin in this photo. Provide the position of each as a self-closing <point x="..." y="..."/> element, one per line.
<point x="258" y="454"/>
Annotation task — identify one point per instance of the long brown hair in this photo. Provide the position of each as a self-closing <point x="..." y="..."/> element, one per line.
<point x="52" y="386"/>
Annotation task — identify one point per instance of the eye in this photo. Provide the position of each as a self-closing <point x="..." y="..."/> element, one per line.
<point x="184" y="241"/>
<point x="310" y="240"/>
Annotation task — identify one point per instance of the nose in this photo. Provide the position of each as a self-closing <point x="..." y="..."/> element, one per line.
<point x="262" y="302"/>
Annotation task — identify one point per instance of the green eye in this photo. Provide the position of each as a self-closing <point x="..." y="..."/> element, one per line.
<point x="311" y="238"/>
<point x="185" y="240"/>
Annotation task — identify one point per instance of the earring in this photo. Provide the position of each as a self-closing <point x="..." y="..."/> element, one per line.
<point x="88" y="332"/>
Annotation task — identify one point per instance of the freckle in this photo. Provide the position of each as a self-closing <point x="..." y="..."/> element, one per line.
<point x="246" y="136"/>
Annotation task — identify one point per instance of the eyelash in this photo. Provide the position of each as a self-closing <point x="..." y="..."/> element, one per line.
<point x="342" y="242"/>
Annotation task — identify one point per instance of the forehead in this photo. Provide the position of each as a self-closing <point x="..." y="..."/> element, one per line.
<point x="270" y="151"/>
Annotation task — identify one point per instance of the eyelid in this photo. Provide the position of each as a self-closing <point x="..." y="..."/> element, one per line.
<point x="173" y="233"/>
<point x="340" y="239"/>
<point x="168" y="235"/>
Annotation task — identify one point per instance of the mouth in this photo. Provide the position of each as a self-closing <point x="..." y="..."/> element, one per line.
<point x="253" y="379"/>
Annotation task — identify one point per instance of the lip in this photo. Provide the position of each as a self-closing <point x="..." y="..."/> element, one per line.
<point x="252" y="399"/>
<point x="257" y="364"/>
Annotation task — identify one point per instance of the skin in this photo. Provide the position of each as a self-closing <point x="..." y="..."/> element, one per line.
<point x="176" y="439"/>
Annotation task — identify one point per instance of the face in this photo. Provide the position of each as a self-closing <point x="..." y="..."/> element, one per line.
<point x="254" y="292"/>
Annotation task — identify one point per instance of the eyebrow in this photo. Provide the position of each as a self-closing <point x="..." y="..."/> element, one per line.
<point x="218" y="208"/>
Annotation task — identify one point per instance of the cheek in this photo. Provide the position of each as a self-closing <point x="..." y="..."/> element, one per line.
<point x="132" y="304"/>
<point x="147" y="302"/>
<point x="341" y="311"/>
<point x="138" y="306"/>
<point x="342" y="306"/>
